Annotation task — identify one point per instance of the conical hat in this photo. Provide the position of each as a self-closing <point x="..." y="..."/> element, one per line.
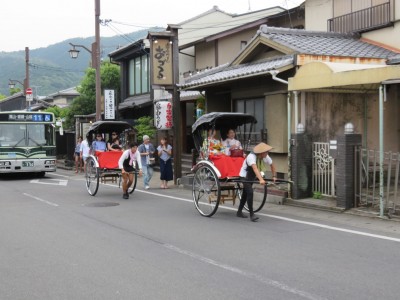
<point x="261" y="148"/>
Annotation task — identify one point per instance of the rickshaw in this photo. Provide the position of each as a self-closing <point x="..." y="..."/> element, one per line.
<point x="216" y="177"/>
<point x="105" y="164"/>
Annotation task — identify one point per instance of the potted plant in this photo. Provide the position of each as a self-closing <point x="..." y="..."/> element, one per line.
<point x="200" y="106"/>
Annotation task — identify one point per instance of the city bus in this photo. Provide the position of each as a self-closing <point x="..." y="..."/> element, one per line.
<point x="27" y="142"/>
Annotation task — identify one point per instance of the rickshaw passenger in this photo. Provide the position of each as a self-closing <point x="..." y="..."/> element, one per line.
<point x="253" y="167"/>
<point x="230" y="143"/>
<point x="127" y="163"/>
<point x="99" y="144"/>
<point x="212" y="145"/>
<point x="114" y="143"/>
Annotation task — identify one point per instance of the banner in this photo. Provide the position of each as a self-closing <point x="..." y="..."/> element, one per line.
<point x="109" y="105"/>
<point x="161" y="53"/>
<point x="163" y="115"/>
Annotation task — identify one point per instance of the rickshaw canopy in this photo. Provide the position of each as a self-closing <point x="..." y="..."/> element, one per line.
<point x="109" y="126"/>
<point x="220" y="120"/>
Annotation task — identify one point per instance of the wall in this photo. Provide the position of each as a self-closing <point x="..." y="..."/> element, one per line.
<point x="326" y="115"/>
<point x="385" y="36"/>
<point x="205" y="55"/>
<point x="229" y="47"/>
<point x="320" y="8"/>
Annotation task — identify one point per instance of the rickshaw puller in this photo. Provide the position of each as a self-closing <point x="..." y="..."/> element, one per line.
<point x="127" y="162"/>
<point x="252" y="167"/>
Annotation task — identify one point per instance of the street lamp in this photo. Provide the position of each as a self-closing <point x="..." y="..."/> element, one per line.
<point x="95" y="54"/>
<point x="13" y="82"/>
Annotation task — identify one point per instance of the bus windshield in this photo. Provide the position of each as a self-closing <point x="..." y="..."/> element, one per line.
<point x="21" y="135"/>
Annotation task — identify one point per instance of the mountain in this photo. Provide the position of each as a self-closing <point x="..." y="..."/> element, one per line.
<point x="52" y="69"/>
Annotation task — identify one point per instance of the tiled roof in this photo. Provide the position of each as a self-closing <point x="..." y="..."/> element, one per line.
<point x="324" y="43"/>
<point x="225" y="72"/>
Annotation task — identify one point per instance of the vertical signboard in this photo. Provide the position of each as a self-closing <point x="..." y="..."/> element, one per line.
<point x="109" y="105"/>
<point x="162" y="62"/>
<point x="163" y="115"/>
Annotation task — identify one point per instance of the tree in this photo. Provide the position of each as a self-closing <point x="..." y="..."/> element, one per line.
<point x="85" y="104"/>
<point x="2" y="97"/>
<point x="57" y="111"/>
<point x="144" y="126"/>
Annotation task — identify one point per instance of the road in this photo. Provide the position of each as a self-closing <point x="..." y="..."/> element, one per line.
<point x="57" y="242"/>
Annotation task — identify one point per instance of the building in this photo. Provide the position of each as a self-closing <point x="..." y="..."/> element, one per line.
<point x="326" y="80"/>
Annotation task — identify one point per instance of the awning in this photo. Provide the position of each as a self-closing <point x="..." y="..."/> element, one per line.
<point x="136" y="102"/>
<point x="341" y="77"/>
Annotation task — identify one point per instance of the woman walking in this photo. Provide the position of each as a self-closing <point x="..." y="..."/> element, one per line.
<point x="165" y="153"/>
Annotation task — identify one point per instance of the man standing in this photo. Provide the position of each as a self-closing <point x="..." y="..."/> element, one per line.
<point x="147" y="151"/>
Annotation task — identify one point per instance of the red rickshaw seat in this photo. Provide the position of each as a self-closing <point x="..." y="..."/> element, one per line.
<point x="108" y="159"/>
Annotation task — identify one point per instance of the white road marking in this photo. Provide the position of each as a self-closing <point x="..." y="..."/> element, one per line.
<point x="356" y="232"/>
<point x="362" y="233"/>
<point x="59" y="175"/>
<point x="41" y="200"/>
<point x="61" y="182"/>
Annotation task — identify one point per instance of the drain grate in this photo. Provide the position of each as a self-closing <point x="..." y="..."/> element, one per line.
<point x="101" y="204"/>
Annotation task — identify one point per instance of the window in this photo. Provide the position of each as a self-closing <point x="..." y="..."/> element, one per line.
<point x="138" y="75"/>
<point x="254" y="107"/>
<point x="243" y="44"/>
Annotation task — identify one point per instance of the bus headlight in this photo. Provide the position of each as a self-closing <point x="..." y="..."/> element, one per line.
<point x="49" y="162"/>
<point x="5" y="163"/>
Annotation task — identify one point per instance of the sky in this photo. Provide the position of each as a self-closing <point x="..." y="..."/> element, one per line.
<point x="40" y="23"/>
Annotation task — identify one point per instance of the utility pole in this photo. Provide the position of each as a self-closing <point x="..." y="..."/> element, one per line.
<point x="26" y="81"/>
<point x="96" y="57"/>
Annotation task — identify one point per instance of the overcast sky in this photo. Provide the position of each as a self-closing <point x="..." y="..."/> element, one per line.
<point x="40" y="23"/>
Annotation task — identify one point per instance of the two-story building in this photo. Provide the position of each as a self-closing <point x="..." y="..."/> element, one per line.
<point x="330" y="79"/>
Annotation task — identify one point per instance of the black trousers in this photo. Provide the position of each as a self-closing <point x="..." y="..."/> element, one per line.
<point x="247" y="196"/>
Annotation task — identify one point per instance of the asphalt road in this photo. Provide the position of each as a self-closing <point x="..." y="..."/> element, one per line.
<point x="58" y="242"/>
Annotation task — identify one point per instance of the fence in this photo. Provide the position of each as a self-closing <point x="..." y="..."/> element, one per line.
<point x="367" y="192"/>
<point x="323" y="170"/>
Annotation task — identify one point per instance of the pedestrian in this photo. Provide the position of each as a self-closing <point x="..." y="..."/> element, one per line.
<point x="147" y="150"/>
<point x="253" y="168"/>
<point x="164" y="154"/>
<point x="77" y="156"/>
<point x="99" y="144"/>
<point x="128" y="162"/>
<point x="84" y="152"/>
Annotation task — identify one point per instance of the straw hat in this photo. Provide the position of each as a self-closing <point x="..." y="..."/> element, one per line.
<point x="261" y="148"/>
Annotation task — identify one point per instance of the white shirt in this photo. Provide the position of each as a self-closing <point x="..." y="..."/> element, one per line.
<point x="126" y="154"/>
<point x="228" y="143"/>
<point x="84" y="149"/>
<point x="251" y="159"/>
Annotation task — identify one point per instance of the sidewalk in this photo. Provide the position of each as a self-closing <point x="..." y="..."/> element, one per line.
<point x="311" y="204"/>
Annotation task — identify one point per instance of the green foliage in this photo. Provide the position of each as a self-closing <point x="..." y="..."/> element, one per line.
<point x="317" y="195"/>
<point x="144" y="126"/>
<point x="85" y="104"/>
<point x="2" y="97"/>
<point x="57" y="111"/>
<point x="14" y="91"/>
<point x="201" y="102"/>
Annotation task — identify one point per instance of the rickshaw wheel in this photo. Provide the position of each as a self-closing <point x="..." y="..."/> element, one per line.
<point x="260" y="193"/>
<point x="133" y="186"/>
<point x="206" y="191"/>
<point x="92" y="176"/>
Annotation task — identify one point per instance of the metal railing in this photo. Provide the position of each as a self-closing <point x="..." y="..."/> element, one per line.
<point x="323" y="170"/>
<point x="362" y="20"/>
<point x="367" y="174"/>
